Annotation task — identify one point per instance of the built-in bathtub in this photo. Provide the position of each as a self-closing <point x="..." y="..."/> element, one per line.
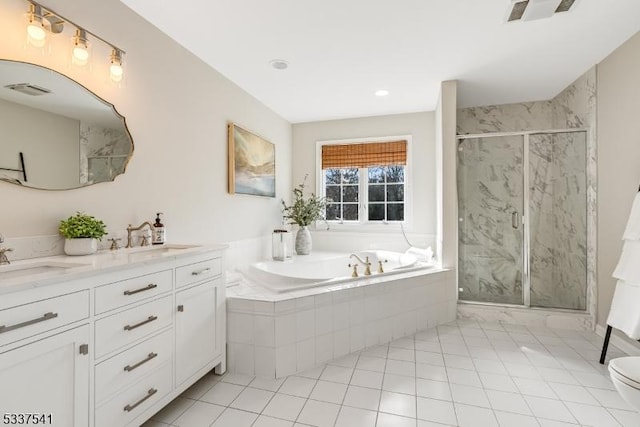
<point x="329" y="268"/>
<point x="287" y="317"/>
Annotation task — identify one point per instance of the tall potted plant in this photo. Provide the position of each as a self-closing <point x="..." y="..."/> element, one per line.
<point x="81" y="233"/>
<point x="303" y="212"/>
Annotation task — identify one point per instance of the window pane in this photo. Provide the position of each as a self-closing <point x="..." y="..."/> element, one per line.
<point x="333" y="212"/>
<point x="376" y="175"/>
<point x="376" y="211"/>
<point x="350" y="193"/>
<point x="332" y="176"/>
<point x="333" y="193"/>
<point x="376" y="193"/>
<point x="349" y="176"/>
<point x="350" y="212"/>
<point x="395" y="212"/>
<point x="395" y="192"/>
<point x="395" y="174"/>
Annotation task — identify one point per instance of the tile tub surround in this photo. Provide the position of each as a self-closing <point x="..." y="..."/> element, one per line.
<point x="465" y="373"/>
<point x="273" y="335"/>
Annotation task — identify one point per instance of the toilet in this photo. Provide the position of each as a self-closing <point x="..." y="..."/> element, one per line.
<point x="625" y="374"/>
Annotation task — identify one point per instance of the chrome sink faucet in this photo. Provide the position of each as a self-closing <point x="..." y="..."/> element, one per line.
<point x="3" y="252"/>
<point x="130" y="230"/>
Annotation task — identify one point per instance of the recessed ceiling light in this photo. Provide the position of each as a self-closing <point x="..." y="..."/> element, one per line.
<point x="279" y="64"/>
<point x="382" y="92"/>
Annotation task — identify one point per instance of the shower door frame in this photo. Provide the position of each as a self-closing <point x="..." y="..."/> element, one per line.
<point x="526" y="249"/>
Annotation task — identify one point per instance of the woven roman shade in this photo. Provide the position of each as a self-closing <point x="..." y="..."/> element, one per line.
<point x="364" y="155"/>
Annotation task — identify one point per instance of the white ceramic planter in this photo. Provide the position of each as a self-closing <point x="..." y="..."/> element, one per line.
<point x="84" y="246"/>
<point x="303" y="241"/>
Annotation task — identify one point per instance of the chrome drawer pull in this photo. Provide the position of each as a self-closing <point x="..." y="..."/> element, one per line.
<point x="46" y="316"/>
<point x="130" y="368"/>
<point x="146" y="288"/>
<point x="144" y="322"/>
<point x="150" y="393"/>
<point x="203" y="271"/>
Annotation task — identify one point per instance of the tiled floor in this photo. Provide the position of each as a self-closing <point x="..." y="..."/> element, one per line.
<point x="460" y="374"/>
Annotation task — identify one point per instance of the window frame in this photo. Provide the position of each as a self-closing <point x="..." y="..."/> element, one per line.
<point x="363" y="222"/>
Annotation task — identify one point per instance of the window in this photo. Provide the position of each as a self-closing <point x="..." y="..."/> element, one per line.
<point x="364" y="182"/>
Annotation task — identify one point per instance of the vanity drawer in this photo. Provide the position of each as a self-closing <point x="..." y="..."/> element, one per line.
<point x="132" y="402"/>
<point x="121" y="329"/>
<point x="31" y="319"/>
<point x="118" y="294"/>
<point x="131" y="365"/>
<point x="198" y="271"/>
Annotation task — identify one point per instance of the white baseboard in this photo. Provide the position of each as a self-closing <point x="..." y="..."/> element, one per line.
<point x="619" y="342"/>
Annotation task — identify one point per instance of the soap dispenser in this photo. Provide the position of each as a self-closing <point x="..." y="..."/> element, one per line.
<point x="159" y="231"/>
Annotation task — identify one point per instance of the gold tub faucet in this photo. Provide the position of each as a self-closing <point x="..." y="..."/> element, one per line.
<point x="366" y="263"/>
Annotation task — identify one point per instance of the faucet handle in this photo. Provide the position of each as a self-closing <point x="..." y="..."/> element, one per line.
<point x="144" y="240"/>
<point x="114" y="244"/>
<point x="354" y="273"/>
<point x="1" y="238"/>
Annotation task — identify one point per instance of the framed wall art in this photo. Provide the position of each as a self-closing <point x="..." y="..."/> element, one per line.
<point x="252" y="163"/>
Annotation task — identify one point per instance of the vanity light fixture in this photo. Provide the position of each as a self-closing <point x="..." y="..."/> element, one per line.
<point x="42" y="20"/>
<point x="36" y="34"/>
<point x="80" y="55"/>
<point x="115" y="69"/>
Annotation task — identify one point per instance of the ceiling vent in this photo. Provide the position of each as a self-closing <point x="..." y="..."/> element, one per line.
<point x="531" y="10"/>
<point x="28" y="89"/>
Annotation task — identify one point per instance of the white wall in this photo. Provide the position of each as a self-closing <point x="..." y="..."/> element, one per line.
<point x="618" y="158"/>
<point x="419" y="125"/>
<point x="49" y="142"/>
<point x="177" y="109"/>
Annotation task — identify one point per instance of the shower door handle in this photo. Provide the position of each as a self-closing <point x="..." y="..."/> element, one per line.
<point x="515" y="220"/>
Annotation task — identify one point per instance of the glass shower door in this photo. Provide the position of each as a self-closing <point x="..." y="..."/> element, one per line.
<point x="490" y="231"/>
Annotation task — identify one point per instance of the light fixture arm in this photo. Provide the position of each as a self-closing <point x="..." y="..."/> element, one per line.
<point x="54" y="22"/>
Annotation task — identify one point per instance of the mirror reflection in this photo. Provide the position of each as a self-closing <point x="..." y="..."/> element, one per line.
<point x="54" y="133"/>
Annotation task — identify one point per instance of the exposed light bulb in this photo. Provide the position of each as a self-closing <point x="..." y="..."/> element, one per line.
<point x="382" y="92"/>
<point x="80" y="53"/>
<point x="116" y="71"/>
<point x="36" y="35"/>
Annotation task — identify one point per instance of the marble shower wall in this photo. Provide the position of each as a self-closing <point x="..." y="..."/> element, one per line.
<point x="103" y="153"/>
<point x="558" y="220"/>
<point x="562" y="200"/>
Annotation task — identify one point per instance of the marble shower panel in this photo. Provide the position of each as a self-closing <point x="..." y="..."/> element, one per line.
<point x="558" y="220"/>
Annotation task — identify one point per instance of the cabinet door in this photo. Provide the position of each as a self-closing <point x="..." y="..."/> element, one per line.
<point x="197" y="340"/>
<point x="50" y="376"/>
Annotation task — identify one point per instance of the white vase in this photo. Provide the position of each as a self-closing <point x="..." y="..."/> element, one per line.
<point x="83" y="246"/>
<point x="303" y="241"/>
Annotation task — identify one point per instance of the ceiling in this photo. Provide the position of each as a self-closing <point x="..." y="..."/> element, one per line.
<point x="341" y="51"/>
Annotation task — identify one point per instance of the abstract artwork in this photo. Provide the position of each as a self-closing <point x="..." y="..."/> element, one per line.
<point x="252" y="163"/>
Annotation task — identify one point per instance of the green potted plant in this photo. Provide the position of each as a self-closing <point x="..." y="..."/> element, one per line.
<point x="303" y="212"/>
<point x="81" y="233"/>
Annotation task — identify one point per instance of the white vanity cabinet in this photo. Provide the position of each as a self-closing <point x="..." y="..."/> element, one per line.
<point x="113" y="347"/>
<point x="195" y="324"/>
<point x="47" y="379"/>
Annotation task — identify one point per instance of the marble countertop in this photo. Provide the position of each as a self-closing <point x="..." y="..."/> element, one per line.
<point x="38" y="272"/>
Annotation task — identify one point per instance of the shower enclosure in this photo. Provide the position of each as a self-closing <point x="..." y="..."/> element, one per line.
<point x="522" y="212"/>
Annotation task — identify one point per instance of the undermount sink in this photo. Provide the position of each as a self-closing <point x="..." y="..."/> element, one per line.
<point x="156" y="251"/>
<point x="14" y="271"/>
